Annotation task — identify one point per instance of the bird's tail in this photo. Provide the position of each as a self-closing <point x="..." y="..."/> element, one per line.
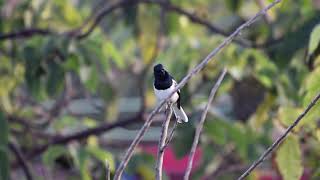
<point x="180" y="114"/>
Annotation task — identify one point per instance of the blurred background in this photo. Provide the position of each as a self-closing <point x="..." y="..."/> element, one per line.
<point x="76" y="86"/>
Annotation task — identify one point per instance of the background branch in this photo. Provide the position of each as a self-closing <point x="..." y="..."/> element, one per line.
<point x="200" y="125"/>
<point x="86" y="133"/>
<point x="194" y="71"/>
<point x="21" y="160"/>
<point x="162" y="142"/>
<point x="280" y="139"/>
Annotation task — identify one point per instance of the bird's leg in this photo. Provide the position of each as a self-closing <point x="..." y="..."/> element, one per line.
<point x="167" y="106"/>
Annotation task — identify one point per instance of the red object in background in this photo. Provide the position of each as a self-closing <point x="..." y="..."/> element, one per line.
<point x="171" y="164"/>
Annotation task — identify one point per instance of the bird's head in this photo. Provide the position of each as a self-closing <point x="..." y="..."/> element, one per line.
<point x="159" y="72"/>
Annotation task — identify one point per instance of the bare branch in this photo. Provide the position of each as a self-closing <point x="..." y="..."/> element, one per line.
<point x="200" y="125"/>
<point x="276" y="143"/>
<point x="194" y="71"/>
<point x="107" y="170"/>
<point x="162" y="142"/>
<point x="26" y="33"/>
<point x="84" y="134"/>
<point x="169" y="139"/>
<point x="20" y="158"/>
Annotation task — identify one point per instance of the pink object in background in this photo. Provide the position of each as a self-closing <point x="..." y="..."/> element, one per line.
<point x="171" y="164"/>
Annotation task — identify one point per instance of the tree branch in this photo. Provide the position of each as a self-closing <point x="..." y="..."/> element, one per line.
<point x="84" y="134"/>
<point x="21" y="160"/>
<point x="200" y="125"/>
<point x="162" y="142"/>
<point x="169" y="139"/>
<point x="26" y="33"/>
<point x="276" y="143"/>
<point x="194" y="71"/>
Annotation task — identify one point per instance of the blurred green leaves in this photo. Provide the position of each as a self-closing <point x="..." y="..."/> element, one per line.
<point x="124" y="43"/>
<point x="4" y="154"/>
<point x="234" y="5"/>
<point x="183" y="140"/>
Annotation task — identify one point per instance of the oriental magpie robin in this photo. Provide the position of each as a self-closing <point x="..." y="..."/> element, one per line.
<point x="163" y="86"/>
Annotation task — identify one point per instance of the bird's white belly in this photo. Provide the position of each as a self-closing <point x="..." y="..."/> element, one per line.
<point x="162" y="94"/>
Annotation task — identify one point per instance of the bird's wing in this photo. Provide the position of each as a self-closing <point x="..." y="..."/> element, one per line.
<point x="178" y="101"/>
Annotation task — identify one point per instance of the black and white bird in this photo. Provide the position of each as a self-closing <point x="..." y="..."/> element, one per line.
<point x="163" y="86"/>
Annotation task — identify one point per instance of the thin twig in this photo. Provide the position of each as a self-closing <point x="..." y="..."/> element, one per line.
<point x="107" y="170"/>
<point x="194" y="71"/>
<point x="162" y="141"/>
<point x="169" y="139"/>
<point x="280" y="139"/>
<point x="21" y="160"/>
<point x="200" y="125"/>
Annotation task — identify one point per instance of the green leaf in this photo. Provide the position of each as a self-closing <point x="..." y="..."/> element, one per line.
<point x="102" y="156"/>
<point x="110" y="51"/>
<point x="55" y="79"/>
<point x="261" y="115"/>
<point x="216" y="129"/>
<point x="34" y="70"/>
<point x="4" y="156"/>
<point x="312" y="88"/>
<point x="83" y="164"/>
<point x="138" y="160"/>
<point x="289" y="159"/>
<point x="314" y="41"/>
<point x="184" y="138"/>
<point x="233" y="5"/>
<point x="223" y="132"/>
<point x="91" y="78"/>
<point x="287" y="115"/>
<point x="53" y="153"/>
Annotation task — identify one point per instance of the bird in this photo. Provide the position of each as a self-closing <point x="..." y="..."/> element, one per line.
<point x="163" y="86"/>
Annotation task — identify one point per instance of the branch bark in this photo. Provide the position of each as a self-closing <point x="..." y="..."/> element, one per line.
<point x="84" y="134"/>
<point x="194" y="71"/>
<point x="276" y="143"/>
<point x="200" y="125"/>
<point x="162" y="142"/>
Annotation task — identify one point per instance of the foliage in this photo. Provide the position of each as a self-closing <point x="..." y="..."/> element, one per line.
<point x="58" y="84"/>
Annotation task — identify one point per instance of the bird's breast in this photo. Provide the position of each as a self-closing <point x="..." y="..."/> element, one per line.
<point x="162" y="94"/>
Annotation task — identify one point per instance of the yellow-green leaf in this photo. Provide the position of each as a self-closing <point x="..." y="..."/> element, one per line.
<point x="102" y="156"/>
<point x="289" y="160"/>
<point x="110" y="51"/>
<point x="314" y="40"/>
<point x="287" y="115"/>
<point x="261" y="115"/>
<point x="312" y="88"/>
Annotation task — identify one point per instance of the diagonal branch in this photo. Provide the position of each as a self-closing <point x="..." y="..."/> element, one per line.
<point x="276" y="143"/>
<point x="170" y="137"/>
<point x="194" y="71"/>
<point x="200" y="125"/>
<point x="22" y="161"/>
<point x="162" y="142"/>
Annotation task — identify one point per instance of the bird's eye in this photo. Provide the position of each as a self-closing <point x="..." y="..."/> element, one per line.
<point x="162" y="71"/>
